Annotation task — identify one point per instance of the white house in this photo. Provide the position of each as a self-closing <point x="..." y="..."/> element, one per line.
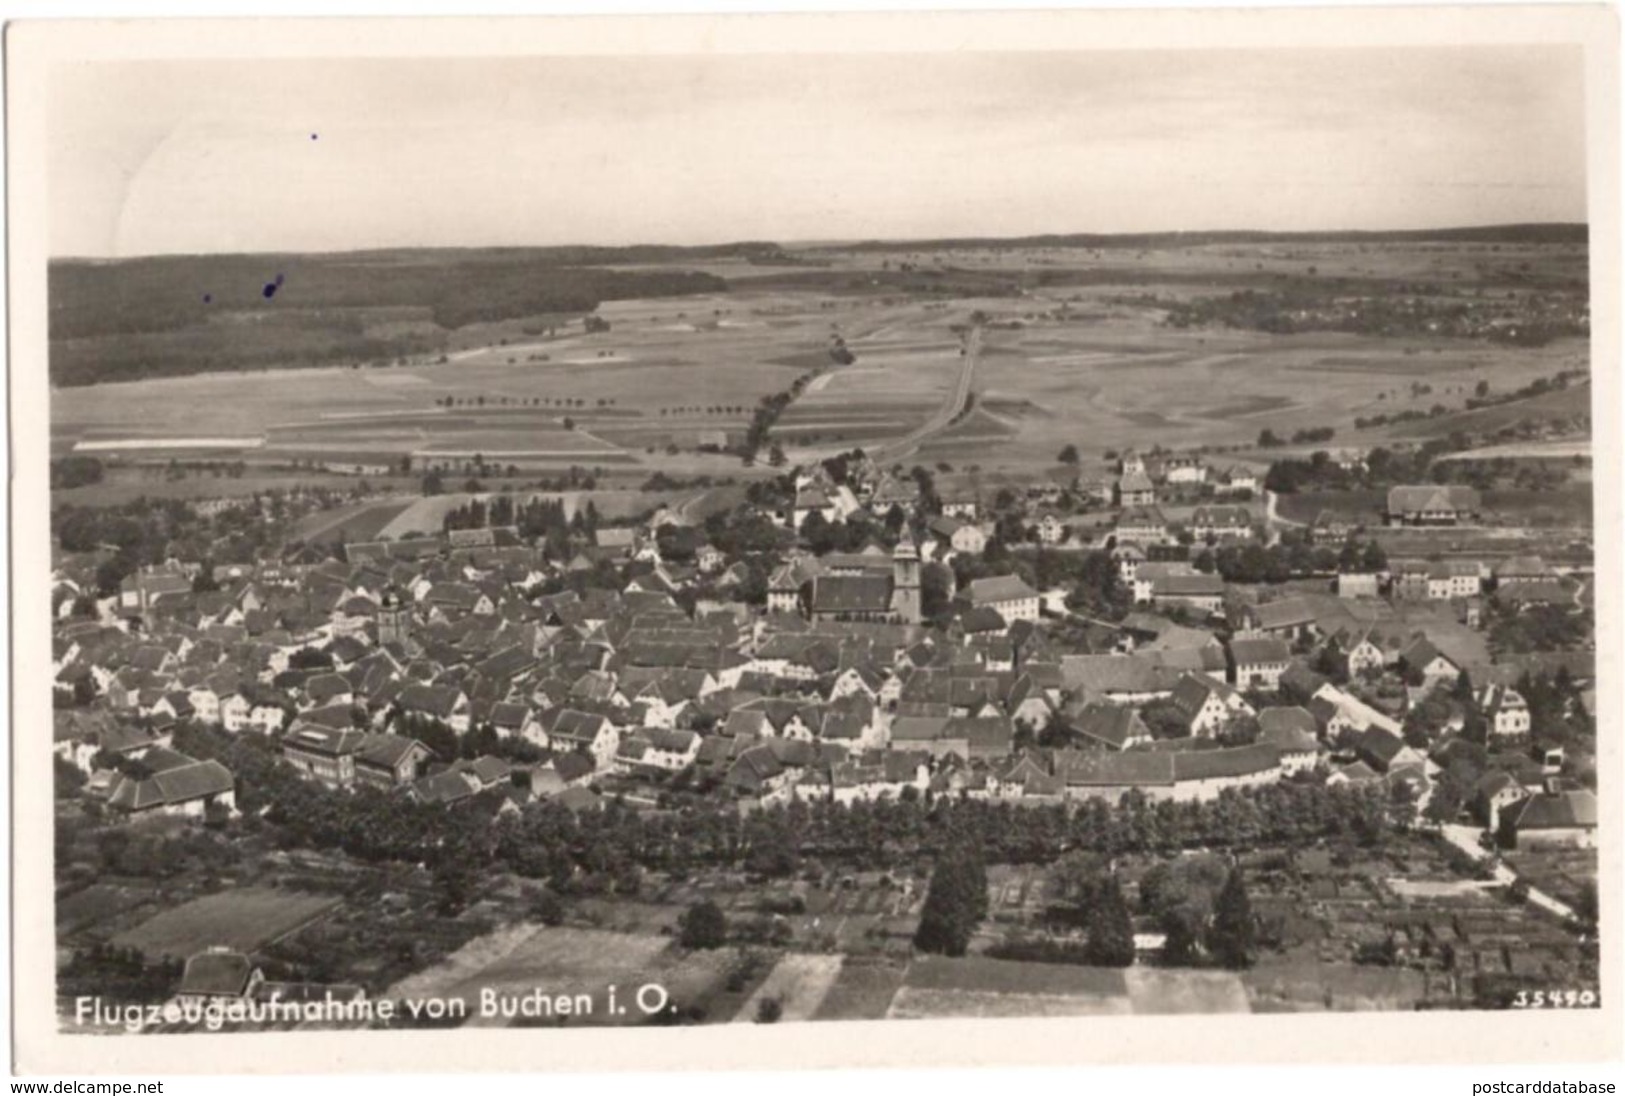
<point x="1205" y="704"/>
<point x="1008" y="595"/>
<point x="1504" y="709"/>
<point x="1259" y="662"/>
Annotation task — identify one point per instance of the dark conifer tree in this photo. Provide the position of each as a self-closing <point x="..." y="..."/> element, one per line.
<point x="1111" y="930"/>
<point x="1232" y="937"/>
<point x="955" y="903"/>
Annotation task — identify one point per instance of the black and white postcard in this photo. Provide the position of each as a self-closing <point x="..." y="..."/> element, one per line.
<point x="1068" y="537"/>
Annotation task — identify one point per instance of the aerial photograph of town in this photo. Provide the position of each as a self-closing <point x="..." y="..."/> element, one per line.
<point x="1039" y="544"/>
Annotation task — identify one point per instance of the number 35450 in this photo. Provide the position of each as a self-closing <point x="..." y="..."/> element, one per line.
<point x="1555" y="998"/>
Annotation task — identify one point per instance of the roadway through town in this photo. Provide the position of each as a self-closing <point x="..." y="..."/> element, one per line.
<point x="1466" y="838"/>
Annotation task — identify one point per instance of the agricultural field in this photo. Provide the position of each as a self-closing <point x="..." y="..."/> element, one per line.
<point x="243" y="918"/>
<point x="1075" y="350"/>
<point x="1126" y="380"/>
<point x="799" y="983"/>
<point x="863" y="989"/>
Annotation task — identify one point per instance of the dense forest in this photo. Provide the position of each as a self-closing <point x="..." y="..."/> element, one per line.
<point x="172" y="316"/>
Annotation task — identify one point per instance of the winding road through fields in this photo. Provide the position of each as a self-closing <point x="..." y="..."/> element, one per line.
<point x="956" y="403"/>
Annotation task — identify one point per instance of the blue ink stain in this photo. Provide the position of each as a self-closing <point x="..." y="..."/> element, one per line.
<point x="279" y="279"/>
<point x="208" y="298"/>
<point x="269" y="290"/>
<point x="312" y="136"/>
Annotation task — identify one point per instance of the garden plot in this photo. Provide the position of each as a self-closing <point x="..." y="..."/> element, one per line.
<point x="864" y="989"/>
<point x="799" y="982"/>
<point x="244" y="919"/>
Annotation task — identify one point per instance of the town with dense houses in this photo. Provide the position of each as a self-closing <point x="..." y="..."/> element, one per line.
<point x="843" y="638"/>
<point x="1044" y="522"/>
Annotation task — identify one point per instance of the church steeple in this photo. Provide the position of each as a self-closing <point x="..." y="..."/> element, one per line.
<point x="394" y="618"/>
<point x="905" y="567"/>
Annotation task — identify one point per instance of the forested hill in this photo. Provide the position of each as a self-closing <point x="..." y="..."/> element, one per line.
<point x="89" y="298"/>
<point x="1503" y="234"/>
<point x="175" y="315"/>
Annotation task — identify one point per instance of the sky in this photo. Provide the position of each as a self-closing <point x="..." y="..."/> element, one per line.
<point x="205" y="156"/>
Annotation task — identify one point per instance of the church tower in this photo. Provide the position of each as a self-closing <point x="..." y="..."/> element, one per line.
<point x="394" y="619"/>
<point x="905" y="591"/>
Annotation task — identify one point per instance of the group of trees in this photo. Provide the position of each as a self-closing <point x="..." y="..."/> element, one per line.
<point x="1268" y="439"/>
<point x="1382" y="467"/>
<point x="823" y="536"/>
<point x="523" y="401"/>
<point x="1199" y="904"/>
<point x="75" y="471"/>
<point x="147" y="531"/>
<point x="533" y="519"/>
<point x="708" y="409"/>
<point x="574" y="478"/>
<point x="1293" y="555"/>
<point x="1540" y="628"/>
<point x="767" y="412"/>
<point x="1089" y="896"/>
<point x="547" y="841"/>
<point x="1425" y="310"/>
<point x="1204" y="910"/>
<point x="1481" y="396"/>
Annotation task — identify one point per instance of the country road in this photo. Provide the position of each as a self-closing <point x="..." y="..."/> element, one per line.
<point x="1273" y="518"/>
<point x="956" y="403"/>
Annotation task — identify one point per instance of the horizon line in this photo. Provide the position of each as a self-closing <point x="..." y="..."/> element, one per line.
<point x="865" y="241"/>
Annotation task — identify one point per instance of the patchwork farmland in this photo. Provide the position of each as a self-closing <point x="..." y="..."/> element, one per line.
<point x="1082" y="350"/>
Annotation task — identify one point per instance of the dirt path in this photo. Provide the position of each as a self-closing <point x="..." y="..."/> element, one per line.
<point x="954" y="405"/>
<point x="1273" y="518"/>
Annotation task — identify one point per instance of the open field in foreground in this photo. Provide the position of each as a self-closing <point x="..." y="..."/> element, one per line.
<point x="245" y="919"/>
<point x="572" y="962"/>
<point x="799" y="982"/>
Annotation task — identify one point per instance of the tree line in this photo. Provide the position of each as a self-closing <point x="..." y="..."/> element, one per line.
<point x="547" y="841"/>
